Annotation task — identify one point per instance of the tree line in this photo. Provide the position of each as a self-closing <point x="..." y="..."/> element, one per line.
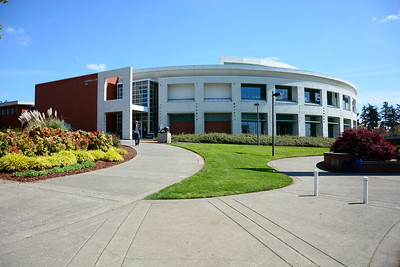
<point x="387" y="120"/>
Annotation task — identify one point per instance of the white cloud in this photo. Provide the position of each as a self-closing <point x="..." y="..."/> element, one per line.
<point x="19" y="36"/>
<point x="272" y="58"/>
<point x="13" y="30"/>
<point x="79" y="59"/>
<point x="374" y="18"/>
<point x="97" y="67"/>
<point x="23" y="39"/>
<point x="389" y="18"/>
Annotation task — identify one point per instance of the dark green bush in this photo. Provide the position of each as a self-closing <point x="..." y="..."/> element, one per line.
<point x="251" y="139"/>
<point x="76" y="166"/>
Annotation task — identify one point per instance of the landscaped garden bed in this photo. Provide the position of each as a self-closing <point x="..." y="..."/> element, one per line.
<point x="43" y="152"/>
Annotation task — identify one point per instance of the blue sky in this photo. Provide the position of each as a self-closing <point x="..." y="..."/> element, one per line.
<point x="357" y="40"/>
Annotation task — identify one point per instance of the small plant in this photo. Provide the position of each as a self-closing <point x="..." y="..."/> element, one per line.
<point x="370" y="145"/>
<point x="121" y="151"/>
<point x="74" y="167"/>
<point x="112" y="155"/>
<point x="34" y="118"/>
<point x="14" y="162"/>
<point x="83" y="155"/>
<point x="97" y="154"/>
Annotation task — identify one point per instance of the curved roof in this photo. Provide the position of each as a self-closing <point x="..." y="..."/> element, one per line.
<point x="225" y="60"/>
<point x="238" y="69"/>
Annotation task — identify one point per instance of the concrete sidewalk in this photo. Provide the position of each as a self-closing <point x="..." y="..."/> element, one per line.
<point x="87" y="220"/>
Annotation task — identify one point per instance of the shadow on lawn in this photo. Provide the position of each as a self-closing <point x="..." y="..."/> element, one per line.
<point x="259" y="169"/>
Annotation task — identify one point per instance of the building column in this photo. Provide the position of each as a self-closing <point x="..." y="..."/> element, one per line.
<point x="236" y="108"/>
<point x="198" y="109"/>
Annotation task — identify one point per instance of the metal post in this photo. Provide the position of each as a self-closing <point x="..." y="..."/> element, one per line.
<point x="258" y="123"/>
<point x="273" y="123"/>
<point x="316" y="182"/>
<point x="365" y="197"/>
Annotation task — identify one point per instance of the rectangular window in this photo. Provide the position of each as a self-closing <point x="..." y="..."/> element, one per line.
<point x="346" y="124"/>
<point x="253" y="92"/>
<point x="333" y="127"/>
<point x="312" y="96"/>
<point x="217" y="92"/>
<point x="346" y="102"/>
<point x="285" y="91"/>
<point x="353" y="106"/>
<point x="249" y="123"/>
<point x="286" y="124"/>
<point x="119" y="90"/>
<point x="313" y="126"/>
<point x="181" y="92"/>
<point x="332" y="98"/>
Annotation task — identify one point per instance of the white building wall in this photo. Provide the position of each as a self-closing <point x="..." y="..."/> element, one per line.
<point x="123" y="105"/>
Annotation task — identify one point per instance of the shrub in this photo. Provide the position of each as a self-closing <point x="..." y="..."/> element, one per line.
<point x="112" y="155"/>
<point x="251" y="139"/>
<point x="76" y="166"/>
<point x="39" y="163"/>
<point x="83" y="155"/>
<point x="370" y="145"/>
<point x="89" y="164"/>
<point x="97" y="154"/>
<point x="14" y="162"/>
<point x="63" y="158"/>
<point x="121" y="151"/>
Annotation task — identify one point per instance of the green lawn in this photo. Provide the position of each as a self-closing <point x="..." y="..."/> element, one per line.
<point x="234" y="169"/>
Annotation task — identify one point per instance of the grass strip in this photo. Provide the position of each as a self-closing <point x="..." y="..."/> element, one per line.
<point x="233" y="169"/>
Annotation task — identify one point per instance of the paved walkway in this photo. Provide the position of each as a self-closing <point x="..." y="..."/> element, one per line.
<point x="98" y="219"/>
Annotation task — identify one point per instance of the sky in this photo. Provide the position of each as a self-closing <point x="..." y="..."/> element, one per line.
<point x="47" y="40"/>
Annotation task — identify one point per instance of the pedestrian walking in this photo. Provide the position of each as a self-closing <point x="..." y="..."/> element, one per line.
<point x="136" y="133"/>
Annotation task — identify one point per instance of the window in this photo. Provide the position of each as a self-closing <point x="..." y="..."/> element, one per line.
<point x="286" y="124"/>
<point x="285" y="91"/>
<point x="249" y="123"/>
<point x="313" y="127"/>
<point x="346" y="124"/>
<point x="346" y="102"/>
<point x="332" y="98"/>
<point x="217" y="92"/>
<point x="353" y="106"/>
<point x="253" y="92"/>
<point x="119" y="90"/>
<point x="181" y="92"/>
<point x="333" y="127"/>
<point x="312" y="96"/>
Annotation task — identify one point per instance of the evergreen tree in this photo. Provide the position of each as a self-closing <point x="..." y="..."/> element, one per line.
<point x="369" y="117"/>
<point x="388" y="116"/>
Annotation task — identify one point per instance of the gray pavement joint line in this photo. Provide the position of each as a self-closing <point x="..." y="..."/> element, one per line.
<point x="119" y="226"/>
<point x="84" y="243"/>
<point x="85" y="193"/>
<point x="259" y="240"/>
<point x="289" y="232"/>
<point x="134" y="236"/>
<point x="85" y="218"/>
<point x="380" y="242"/>
<point x="260" y="226"/>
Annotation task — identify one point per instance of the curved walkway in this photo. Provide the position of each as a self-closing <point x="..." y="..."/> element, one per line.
<point x="98" y="219"/>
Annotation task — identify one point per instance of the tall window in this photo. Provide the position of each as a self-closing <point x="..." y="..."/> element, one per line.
<point x="249" y="123"/>
<point x="253" y="91"/>
<point x="332" y="99"/>
<point x="346" y="102"/>
<point x="312" y="96"/>
<point x="286" y="124"/>
<point x="119" y="91"/>
<point x="353" y="106"/>
<point x="285" y="91"/>
<point x="312" y="125"/>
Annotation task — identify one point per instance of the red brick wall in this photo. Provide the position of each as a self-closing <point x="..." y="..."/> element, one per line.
<point x="218" y="127"/>
<point x="11" y="121"/>
<point x="182" y="127"/>
<point x="75" y="99"/>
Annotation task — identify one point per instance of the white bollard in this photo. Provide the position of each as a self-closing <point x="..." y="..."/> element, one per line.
<point x="365" y="198"/>
<point x="315" y="182"/>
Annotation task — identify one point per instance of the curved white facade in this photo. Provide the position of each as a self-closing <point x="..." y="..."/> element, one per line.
<point x="204" y="98"/>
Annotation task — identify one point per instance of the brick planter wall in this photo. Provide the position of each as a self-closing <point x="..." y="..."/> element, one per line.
<point x="335" y="161"/>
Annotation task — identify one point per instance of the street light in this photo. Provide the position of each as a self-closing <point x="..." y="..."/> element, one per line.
<point x="258" y="122"/>
<point x="273" y="120"/>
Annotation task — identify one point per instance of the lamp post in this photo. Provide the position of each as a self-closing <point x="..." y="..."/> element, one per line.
<point x="273" y="120"/>
<point x="258" y="123"/>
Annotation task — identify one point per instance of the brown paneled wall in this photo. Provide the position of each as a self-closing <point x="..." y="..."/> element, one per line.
<point x="75" y="99"/>
<point x="182" y="127"/>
